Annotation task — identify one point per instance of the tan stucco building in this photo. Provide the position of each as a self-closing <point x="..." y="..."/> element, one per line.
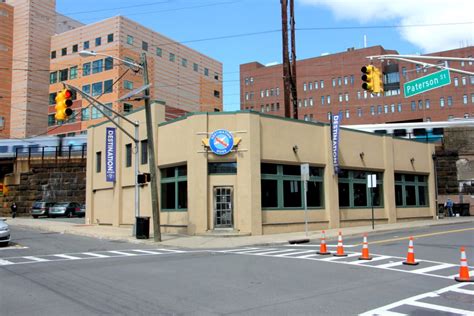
<point x="256" y="188"/>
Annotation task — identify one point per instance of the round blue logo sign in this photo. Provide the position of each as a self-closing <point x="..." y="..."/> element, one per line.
<point x="221" y="142"/>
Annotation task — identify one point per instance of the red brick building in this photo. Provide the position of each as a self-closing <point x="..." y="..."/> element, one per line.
<point x="332" y="84"/>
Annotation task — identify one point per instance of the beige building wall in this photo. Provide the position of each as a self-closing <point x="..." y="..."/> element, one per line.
<point x="263" y="139"/>
<point x="6" y="54"/>
<point x="34" y="24"/>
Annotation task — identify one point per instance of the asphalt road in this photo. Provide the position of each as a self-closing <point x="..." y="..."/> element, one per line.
<point x="57" y="274"/>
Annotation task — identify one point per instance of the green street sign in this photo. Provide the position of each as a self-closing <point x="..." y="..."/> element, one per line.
<point x="426" y="83"/>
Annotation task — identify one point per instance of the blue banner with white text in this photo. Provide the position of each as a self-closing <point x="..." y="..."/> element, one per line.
<point x="110" y="154"/>
<point x="336" y="119"/>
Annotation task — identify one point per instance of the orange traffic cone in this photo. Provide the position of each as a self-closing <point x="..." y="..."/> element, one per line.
<point x="464" y="269"/>
<point x="411" y="254"/>
<point x="340" y="247"/>
<point x="322" y="248"/>
<point x="365" y="250"/>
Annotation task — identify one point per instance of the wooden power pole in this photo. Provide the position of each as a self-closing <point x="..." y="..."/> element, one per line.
<point x="294" y="94"/>
<point x="286" y="57"/>
<point x="289" y="70"/>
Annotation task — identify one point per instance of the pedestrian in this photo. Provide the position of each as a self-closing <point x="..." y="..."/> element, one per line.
<point x="449" y="207"/>
<point x="14" y="209"/>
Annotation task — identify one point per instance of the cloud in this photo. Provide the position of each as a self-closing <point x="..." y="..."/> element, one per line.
<point x="412" y="12"/>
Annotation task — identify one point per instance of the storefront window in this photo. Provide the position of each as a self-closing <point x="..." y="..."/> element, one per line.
<point x="174" y="189"/>
<point x="282" y="187"/>
<point x="269" y="193"/>
<point x="354" y="192"/>
<point x="411" y="190"/>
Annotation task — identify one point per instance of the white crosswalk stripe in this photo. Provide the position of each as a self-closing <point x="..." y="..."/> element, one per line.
<point x="123" y="253"/>
<point x="5" y="262"/>
<point x="148" y="252"/>
<point x="97" y="255"/>
<point x="36" y="259"/>
<point x="67" y="257"/>
<point x="89" y="255"/>
<point x="416" y="302"/>
<point x="426" y="267"/>
<point x="374" y="259"/>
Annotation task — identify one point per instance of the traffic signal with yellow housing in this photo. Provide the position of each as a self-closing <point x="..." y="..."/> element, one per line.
<point x="372" y="78"/>
<point x="63" y="104"/>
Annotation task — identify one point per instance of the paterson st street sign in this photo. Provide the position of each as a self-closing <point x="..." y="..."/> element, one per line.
<point x="426" y="83"/>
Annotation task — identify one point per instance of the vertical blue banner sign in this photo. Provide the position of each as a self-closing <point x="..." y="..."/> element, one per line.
<point x="110" y="154"/>
<point x="336" y="119"/>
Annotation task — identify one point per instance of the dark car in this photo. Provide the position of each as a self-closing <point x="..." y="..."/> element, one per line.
<point x="68" y="209"/>
<point x="41" y="209"/>
<point x="82" y="210"/>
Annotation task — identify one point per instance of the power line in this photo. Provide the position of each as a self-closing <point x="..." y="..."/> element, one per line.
<point x="168" y="10"/>
<point x="118" y="8"/>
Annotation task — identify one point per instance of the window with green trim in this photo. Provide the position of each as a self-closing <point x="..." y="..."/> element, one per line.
<point x="174" y="189"/>
<point x="354" y="192"/>
<point x="411" y="190"/>
<point x="282" y="187"/>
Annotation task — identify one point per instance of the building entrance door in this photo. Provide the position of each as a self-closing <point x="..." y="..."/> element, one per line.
<point x="223" y="209"/>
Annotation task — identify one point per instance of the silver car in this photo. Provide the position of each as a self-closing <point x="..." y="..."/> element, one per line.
<point x="4" y="233"/>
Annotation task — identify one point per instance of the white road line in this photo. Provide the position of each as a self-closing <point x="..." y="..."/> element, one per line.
<point x="440" y="308"/>
<point x="147" y="252"/>
<point x="5" y="262"/>
<point x="368" y="261"/>
<point x="68" y="257"/>
<point x="337" y="258"/>
<point x="266" y="253"/>
<point x="295" y="253"/>
<point x="98" y="255"/>
<point x="384" y="310"/>
<point x="463" y="291"/>
<point x="123" y="253"/>
<point x="390" y="265"/>
<point x="256" y="250"/>
<point x="317" y="246"/>
<point x="170" y="250"/>
<point x="433" y="268"/>
<point x="308" y="256"/>
<point x="240" y="249"/>
<point x="16" y="247"/>
<point x="36" y="259"/>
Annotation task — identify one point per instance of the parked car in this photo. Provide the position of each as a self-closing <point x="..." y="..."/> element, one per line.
<point x="82" y="210"/>
<point x="68" y="209"/>
<point x="4" y="233"/>
<point x="41" y="209"/>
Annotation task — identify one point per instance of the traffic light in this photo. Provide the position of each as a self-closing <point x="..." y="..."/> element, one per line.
<point x="63" y="104"/>
<point x="372" y="78"/>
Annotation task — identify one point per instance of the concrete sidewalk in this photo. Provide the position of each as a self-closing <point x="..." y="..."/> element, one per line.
<point x="217" y="240"/>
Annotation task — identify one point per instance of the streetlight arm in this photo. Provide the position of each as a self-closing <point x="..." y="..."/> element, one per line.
<point x="86" y="53"/>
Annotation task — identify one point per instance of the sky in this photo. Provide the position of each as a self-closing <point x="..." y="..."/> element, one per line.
<point x="235" y="32"/>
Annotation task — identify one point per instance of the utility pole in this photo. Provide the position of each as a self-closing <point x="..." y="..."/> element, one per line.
<point x="286" y="57"/>
<point x="294" y="94"/>
<point x="151" y="156"/>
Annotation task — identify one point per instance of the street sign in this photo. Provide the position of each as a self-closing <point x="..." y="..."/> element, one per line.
<point x="426" y="83"/>
<point x="305" y="172"/>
